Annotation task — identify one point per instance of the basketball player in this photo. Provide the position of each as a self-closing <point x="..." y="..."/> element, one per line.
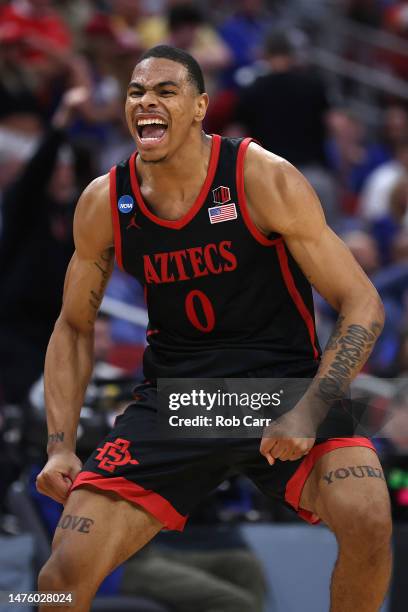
<point x="227" y="240"/>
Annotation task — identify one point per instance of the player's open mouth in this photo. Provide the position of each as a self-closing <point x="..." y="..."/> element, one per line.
<point x="151" y="131"/>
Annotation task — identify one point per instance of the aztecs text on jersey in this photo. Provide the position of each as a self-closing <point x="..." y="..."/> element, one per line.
<point x="222" y="298"/>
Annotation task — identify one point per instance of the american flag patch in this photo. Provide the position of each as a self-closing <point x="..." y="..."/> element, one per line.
<point x="227" y="212"/>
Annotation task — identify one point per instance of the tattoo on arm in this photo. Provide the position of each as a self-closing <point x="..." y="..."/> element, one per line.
<point x="82" y="524"/>
<point x="352" y="349"/>
<point x="356" y="471"/>
<point x="104" y="265"/>
<point x="332" y="343"/>
<point x="56" y="437"/>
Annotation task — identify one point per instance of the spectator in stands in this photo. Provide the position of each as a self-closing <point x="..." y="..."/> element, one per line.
<point x="19" y="107"/>
<point x="188" y="29"/>
<point x="395" y="20"/>
<point x="35" y="248"/>
<point x="395" y="126"/>
<point x="366" y="12"/>
<point x="99" y="117"/>
<point x="285" y="111"/>
<point x="385" y="228"/>
<point x="401" y="364"/>
<point x="375" y="199"/>
<point x="76" y="14"/>
<point x="38" y="20"/>
<point x="392" y="284"/>
<point x="351" y="157"/>
<point x="365" y="250"/>
<point x="399" y="250"/>
<point x="244" y="33"/>
<point x="132" y="28"/>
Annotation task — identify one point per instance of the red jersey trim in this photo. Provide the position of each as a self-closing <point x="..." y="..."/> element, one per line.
<point x="295" y="485"/>
<point x="295" y="295"/>
<point x="154" y="503"/>
<point x="190" y="214"/>
<point x="256" y="233"/>
<point x="115" y="217"/>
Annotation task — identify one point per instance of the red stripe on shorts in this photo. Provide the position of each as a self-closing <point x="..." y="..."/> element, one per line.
<point x="295" y="485"/>
<point x="154" y="503"/>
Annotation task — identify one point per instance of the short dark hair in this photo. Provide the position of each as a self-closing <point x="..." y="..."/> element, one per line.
<point x="278" y="42"/>
<point x="195" y="74"/>
<point x="182" y="15"/>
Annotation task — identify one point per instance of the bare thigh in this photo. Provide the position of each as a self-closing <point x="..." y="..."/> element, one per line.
<point x="96" y="533"/>
<point x="343" y="481"/>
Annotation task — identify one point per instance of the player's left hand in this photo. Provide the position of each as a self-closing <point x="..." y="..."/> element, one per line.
<point x="282" y="440"/>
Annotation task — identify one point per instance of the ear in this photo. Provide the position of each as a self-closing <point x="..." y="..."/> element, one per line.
<point x="201" y="107"/>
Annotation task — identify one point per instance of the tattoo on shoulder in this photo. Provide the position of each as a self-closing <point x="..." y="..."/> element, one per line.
<point x="104" y="266"/>
<point x="352" y="349"/>
<point x="82" y="524"/>
<point x="56" y="437"/>
<point x="354" y="471"/>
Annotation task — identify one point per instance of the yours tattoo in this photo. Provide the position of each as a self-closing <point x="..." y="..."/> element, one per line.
<point x="355" y="471"/>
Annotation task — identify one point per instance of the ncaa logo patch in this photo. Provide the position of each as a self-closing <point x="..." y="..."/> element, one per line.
<point x="126" y="204"/>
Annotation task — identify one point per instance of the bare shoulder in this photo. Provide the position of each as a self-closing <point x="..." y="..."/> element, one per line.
<point x="278" y="195"/>
<point x="93" y="223"/>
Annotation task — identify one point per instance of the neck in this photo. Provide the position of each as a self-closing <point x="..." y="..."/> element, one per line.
<point x="281" y="63"/>
<point x="186" y="165"/>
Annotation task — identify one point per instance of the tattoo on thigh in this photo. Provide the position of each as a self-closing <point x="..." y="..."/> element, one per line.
<point x="356" y="471"/>
<point x="76" y="523"/>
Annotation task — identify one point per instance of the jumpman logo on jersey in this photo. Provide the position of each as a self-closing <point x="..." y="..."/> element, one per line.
<point x="133" y="223"/>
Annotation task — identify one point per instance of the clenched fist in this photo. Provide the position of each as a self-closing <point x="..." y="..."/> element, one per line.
<point x="58" y="474"/>
<point x="282" y="440"/>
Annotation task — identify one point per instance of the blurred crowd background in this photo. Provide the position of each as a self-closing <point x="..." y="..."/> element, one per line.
<point x="322" y="83"/>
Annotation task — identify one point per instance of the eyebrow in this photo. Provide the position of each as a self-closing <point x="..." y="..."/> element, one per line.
<point x="136" y="85"/>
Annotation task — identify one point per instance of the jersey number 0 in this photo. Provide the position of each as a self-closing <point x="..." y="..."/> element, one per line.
<point x="193" y="299"/>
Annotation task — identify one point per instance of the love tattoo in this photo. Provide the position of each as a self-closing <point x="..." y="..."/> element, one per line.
<point x="353" y="471"/>
<point x="76" y="523"/>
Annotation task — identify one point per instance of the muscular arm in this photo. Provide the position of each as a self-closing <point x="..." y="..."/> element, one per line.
<point x="69" y="360"/>
<point x="281" y="200"/>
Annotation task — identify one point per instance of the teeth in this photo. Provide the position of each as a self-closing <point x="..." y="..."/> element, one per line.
<point x="151" y="122"/>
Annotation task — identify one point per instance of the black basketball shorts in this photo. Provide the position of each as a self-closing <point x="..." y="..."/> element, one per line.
<point x="168" y="478"/>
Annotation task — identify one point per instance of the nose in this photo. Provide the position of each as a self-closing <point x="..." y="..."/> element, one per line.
<point x="148" y="100"/>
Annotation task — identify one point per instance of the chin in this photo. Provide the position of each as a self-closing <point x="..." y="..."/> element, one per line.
<point x="151" y="158"/>
<point x="152" y="154"/>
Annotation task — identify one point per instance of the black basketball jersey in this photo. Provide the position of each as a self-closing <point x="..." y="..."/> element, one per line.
<point x="222" y="298"/>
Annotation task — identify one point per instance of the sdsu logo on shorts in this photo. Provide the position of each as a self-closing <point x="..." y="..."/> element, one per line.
<point x="114" y="454"/>
<point x="125" y="204"/>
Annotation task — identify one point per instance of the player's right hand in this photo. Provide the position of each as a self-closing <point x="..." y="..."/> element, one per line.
<point x="58" y="474"/>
